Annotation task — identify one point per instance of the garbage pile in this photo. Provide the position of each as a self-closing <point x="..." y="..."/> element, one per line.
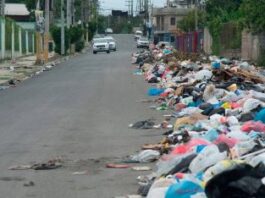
<point x="216" y="147"/>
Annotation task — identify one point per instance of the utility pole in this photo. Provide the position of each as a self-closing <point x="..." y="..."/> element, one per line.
<point x="47" y="30"/>
<point x="39" y="31"/>
<point x="68" y="13"/>
<point x="196" y="15"/>
<point x="132" y="4"/>
<point x="3" y="48"/>
<point x="2" y="8"/>
<point x="62" y="29"/>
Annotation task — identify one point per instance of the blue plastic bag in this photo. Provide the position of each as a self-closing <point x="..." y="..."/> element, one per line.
<point x="155" y="91"/>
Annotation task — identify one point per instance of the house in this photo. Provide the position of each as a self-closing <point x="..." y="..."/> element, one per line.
<point x="17" y="11"/>
<point x="165" y="22"/>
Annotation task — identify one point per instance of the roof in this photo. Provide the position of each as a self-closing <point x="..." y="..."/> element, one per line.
<point x="16" y="9"/>
<point x="170" y="11"/>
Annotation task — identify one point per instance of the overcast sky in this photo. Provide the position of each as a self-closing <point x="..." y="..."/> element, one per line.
<point x="121" y="4"/>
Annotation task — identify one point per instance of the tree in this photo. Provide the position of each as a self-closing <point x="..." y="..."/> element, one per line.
<point x="254" y="15"/>
<point x="187" y="24"/>
<point x="219" y="12"/>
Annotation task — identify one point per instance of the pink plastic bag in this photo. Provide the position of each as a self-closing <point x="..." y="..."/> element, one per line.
<point x="231" y="142"/>
<point x="255" y="126"/>
<point x="184" y="148"/>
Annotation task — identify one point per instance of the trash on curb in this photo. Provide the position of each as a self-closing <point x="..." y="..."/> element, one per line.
<point x="216" y="147"/>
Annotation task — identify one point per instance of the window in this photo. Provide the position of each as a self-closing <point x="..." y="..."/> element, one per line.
<point x="172" y="21"/>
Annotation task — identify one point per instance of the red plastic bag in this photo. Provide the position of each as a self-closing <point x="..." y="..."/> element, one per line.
<point x="255" y="126"/>
<point x="184" y="148"/>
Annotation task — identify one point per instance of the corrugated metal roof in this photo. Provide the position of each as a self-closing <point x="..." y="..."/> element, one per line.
<point x="16" y="9"/>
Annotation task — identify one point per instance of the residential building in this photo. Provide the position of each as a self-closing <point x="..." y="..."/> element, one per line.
<point x="165" y="21"/>
<point x="17" y="11"/>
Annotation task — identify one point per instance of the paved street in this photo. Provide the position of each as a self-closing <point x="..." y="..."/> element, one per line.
<point x="80" y="110"/>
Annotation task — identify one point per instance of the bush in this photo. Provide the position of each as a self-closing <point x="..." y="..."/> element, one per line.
<point x="56" y="35"/>
<point x="79" y="46"/>
<point x="76" y="33"/>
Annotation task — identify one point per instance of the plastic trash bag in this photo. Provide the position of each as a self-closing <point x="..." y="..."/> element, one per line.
<point x="219" y="168"/>
<point x="189" y="111"/>
<point x="257" y="159"/>
<point x="238" y="134"/>
<point x="187" y="100"/>
<point x="204" y="75"/>
<point x="232" y="121"/>
<point x="243" y="147"/>
<point x="258" y="95"/>
<point x="146" y="156"/>
<point x="251" y="104"/>
<point x="209" y="156"/>
<point x="185" y="148"/>
<point x="155" y="91"/>
<point x="199" y="195"/>
<point x="168" y="162"/>
<point x="160" y="187"/>
<point x="145" y="124"/>
<point x="216" y="65"/>
<point x="225" y="139"/>
<point x="184" y="189"/>
<point x="211" y="135"/>
<point x="231" y="97"/>
<point x="253" y="126"/>
<point x="260" y="116"/>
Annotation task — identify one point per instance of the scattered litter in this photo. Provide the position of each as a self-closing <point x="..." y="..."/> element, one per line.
<point x="29" y="184"/>
<point x="20" y="167"/>
<point x="49" y="165"/>
<point x="216" y="147"/>
<point x="117" y="166"/>
<point x="80" y="173"/>
<point x="146" y="156"/>
<point x="141" y="168"/>
<point x="145" y="124"/>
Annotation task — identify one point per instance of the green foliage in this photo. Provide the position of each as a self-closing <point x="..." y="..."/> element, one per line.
<point x="187" y="24"/>
<point x="254" y="15"/>
<point x="219" y="12"/>
<point x="76" y="33"/>
<point x="92" y="27"/>
<point x="79" y="46"/>
<point x="56" y="35"/>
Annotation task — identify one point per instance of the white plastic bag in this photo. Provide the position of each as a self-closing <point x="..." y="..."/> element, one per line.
<point x="146" y="156"/>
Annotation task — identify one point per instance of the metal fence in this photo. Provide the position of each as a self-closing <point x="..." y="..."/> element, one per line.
<point x="15" y="41"/>
<point x="190" y="42"/>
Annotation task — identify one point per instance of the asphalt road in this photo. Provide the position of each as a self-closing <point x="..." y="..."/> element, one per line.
<point x="80" y="110"/>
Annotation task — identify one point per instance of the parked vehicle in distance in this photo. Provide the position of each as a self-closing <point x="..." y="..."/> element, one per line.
<point x="167" y="44"/>
<point x="112" y="43"/>
<point x="143" y="42"/>
<point x="138" y="34"/>
<point x="101" y="45"/>
<point x="109" y="31"/>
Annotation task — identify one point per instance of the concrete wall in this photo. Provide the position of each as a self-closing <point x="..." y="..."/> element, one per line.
<point x="252" y="45"/>
<point x="207" y="41"/>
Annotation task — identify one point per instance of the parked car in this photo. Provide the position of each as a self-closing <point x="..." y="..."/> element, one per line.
<point x="112" y="43"/>
<point x="138" y="34"/>
<point x="143" y="42"/>
<point x="109" y="31"/>
<point x="101" y="45"/>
